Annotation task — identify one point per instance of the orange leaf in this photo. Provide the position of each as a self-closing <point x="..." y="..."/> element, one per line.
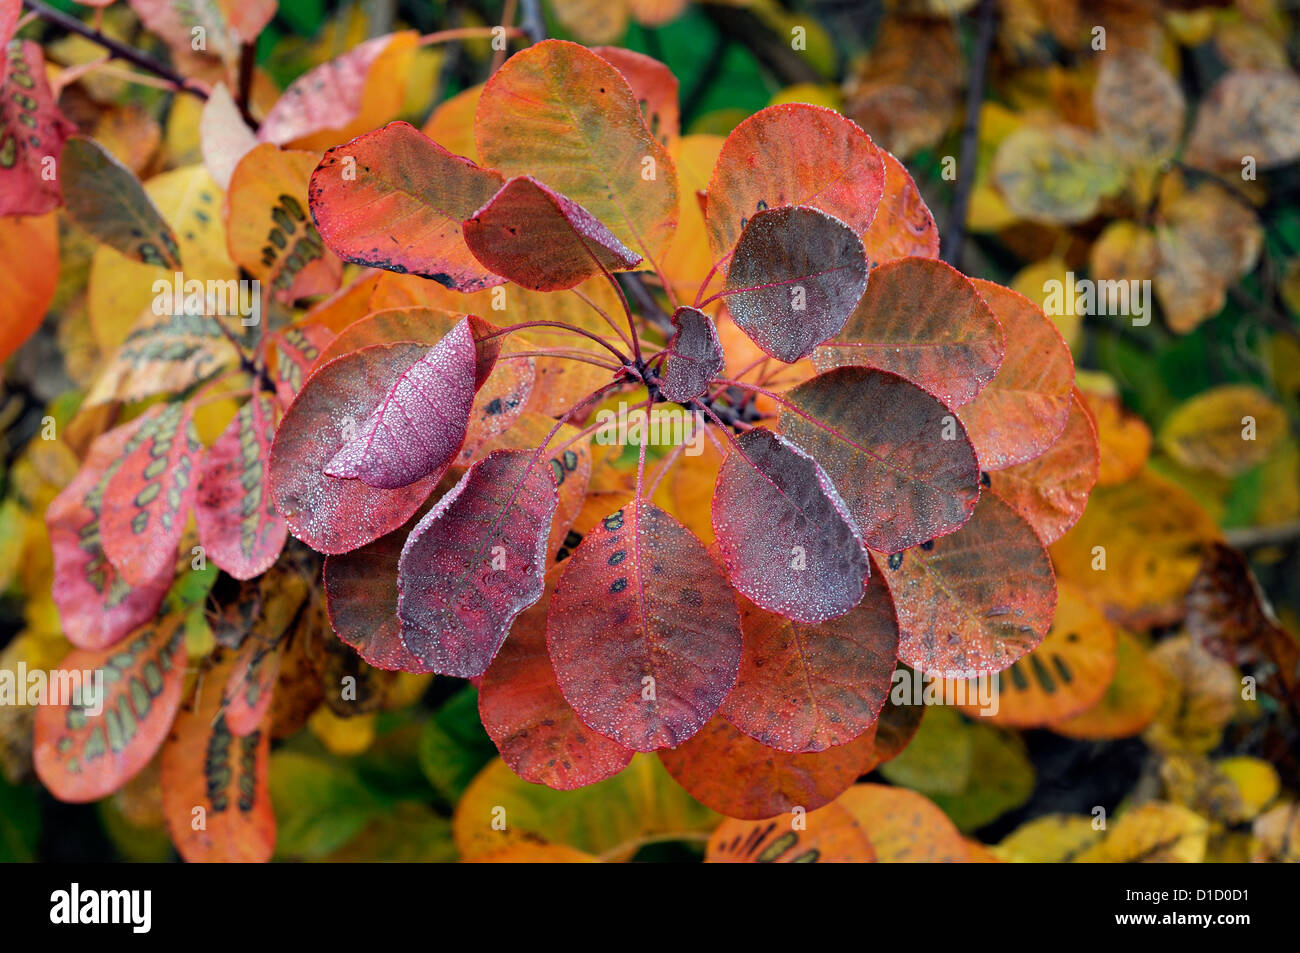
<point x="829" y="835"/>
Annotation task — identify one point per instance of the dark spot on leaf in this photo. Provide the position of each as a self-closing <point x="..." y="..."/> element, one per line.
<point x="618" y="586"/>
<point x="895" y="560"/>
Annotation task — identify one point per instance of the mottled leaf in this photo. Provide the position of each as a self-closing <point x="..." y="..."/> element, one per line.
<point x="1025" y="407"/>
<point x="793" y="154"/>
<point x="643" y="630"/>
<point x="1139" y="106"/>
<point x="107" y="200"/>
<point x="396" y="176"/>
<point x="806" y="688"/>
<point x="475" y="561"/>
<point x="693" y="355"/>
<point x="558" y="111"/>
<point x="148" y="497"/>
<point x="829" y="835"/>
<point x="1056" y="173"/>
<point x="973" y="601"/>
<point x="238" y="525"/>
<point x="164" y="354"/>
<point x="899" y="457"/>
<point x="903" y="224"/>
<point x="539" y="239"/>
<point x="1225" y="430"/>
<point x="328" y="514"/>
<point x="32" y="133"/>
<point x="298" y="348"/>
<point x="922" y="319"/>
<point x="785" y="535"/>
<point x="85" y="751"/>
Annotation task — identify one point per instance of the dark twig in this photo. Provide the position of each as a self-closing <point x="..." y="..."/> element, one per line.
<point x="636" y="288"/>
<point x="117" y="50"/>
<point x="771" y="49"/>
<point x="956" y="233"/>
<point x="247" y="62"/>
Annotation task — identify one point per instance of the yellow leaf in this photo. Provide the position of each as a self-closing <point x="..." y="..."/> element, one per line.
<point x="1226" y="430"/>
<point x="1050" y="839"/>
<point x="1153" y="833"/>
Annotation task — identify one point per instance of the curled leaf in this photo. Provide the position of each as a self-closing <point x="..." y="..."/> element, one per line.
<point x="693" y="355"/>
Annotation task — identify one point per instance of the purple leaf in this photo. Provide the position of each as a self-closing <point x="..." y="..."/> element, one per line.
<point x="694" y="356"/>
<point x="419" y="423"/>
<point x="476" y="561"/>
<point x="795" y="277"/>
<point x="787" y="538"/>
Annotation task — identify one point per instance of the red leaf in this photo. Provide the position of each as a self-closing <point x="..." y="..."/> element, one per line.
<point x="1051" y="491"/>
<point x="83" y="756"/>
<point x="787" y="538"/>
<point x="539" y="735"/>
<point x="693" y="356"/>
<point x="810" y="687"/>
<point x="973" y="601"/>
<point x="400" y="177"/>
<point x="643" y="630"/>
<point x="420" y="421"/>
<point x="361" y="598"/>
<point x="1024" y="408"/>
<point x="148" y="497"/>
<point x="735" y="775"/>
<point x="32" y="133"/>
<point x="250" y="686"/>
<point x="793" y="154"/>
<point x="238" y="525"/>
<point x="903" y="224"/>
<point x="924" y="320"/>
<point x="96" y="606"/>
<point x="541" y="240"/>
<point x="898" y="456"/>
<point x="475" y="561"/>
<point x="795" y="277"/>
<point x="654" y="86"/>
<point x="328" y="514"/>
<point x="207" y="766"/>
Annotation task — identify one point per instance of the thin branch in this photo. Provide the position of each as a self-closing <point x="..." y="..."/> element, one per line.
<point x="244" y="95"/>
<point x="646" y="301"/>
<point x="531" y="21"/>
<point x="118" y="50"/>
<point x="956" y="232"/>
<point x="1253" y="537"/>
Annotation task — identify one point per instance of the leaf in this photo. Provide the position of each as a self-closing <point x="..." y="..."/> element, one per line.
<point x="643" y="630"/>
<point x="1202" y="698"/>
<point x="1229" y="615"/>
<point x="361" y="597"/>
<point x="341" y="98"/>
<point x="693" y="356"/>
<point x="107" y="200"/>
<point x="558" y="111"/>
<point x="1048" y="839"/>
<point x="805" y="688"/>
<point x="27" y="296"/>
<point x="1277" y="835"/>
<point x="1155" y="833"/>
<point x="737" y="776"/>
<point x="785" y="535"/>
<point x="474" y="562"/>
<point x="903" y="826"/>
<point x="419" y="422"/>
<point x="1025" y="407"/>
<point x="32" y="133"/>
<point x="829" y="835"/>
<point x="1136" y="549"/>
<point x="208" y="768"/>
<point x="164" y="353"/>
<point x="794" y="278"/>
<point x="1001" y="779"/>
<point x="654" y="86"/>
<point x="1056" y="174"/>
<point x="898" y="722"/>
<point x="20" y="807"/>
<point x="687" y="262"/>
<point x="148" y="497"/>
<point x="793" y="154"/>
<point x="1247" y="113"/>
<point x="268" y="229"/>
<point x="451" y="124"/>
<point x="97" y="607"/>
<point x="539" y="735"/>
<point x="1139" y="106"/>
<point x="320" y="804"/>
<point x="328" y="514"/>
<point x="250" y="687"/>
<point x="1050" y="491"/>
<point x="1066" y="674"/>
<point x="85" y="751"/>
<point x="1130" y="701"/>
<point x="924" y="320"/>
<point x="223" y="135"/>
<point x="1124" y="440"/>
<point x="1225" y="430"/>
<point x="238" y="525"/>
<point x="297" y="349"/>
<point x="967" y="607"/>
<point x="903" y="225"/>
<point x="539" y="239"/>
<point x="610" y="819"/>
<point x="903" y="482"/>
